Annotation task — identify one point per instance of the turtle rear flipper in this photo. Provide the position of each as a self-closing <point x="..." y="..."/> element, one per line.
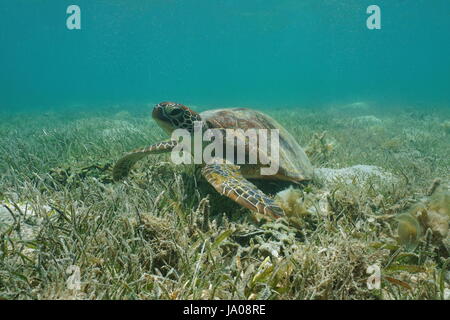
<point x="124" y="164"/>
<point x="228" y="181"/>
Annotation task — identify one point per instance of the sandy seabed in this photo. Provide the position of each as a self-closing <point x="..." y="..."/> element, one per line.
<point x="380" y="198"/>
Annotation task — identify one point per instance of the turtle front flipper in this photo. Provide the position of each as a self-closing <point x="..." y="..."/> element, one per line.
<point x="228" y="181"/>
<point x="124" y="165"/>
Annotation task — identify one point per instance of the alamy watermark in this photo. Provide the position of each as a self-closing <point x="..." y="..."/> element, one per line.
<point x="73" y="282"/>
<point x="374" y="20"/>
<point x="251" y="146"/>
<point x="374" y="280"/>
<point x="73" y="22"/>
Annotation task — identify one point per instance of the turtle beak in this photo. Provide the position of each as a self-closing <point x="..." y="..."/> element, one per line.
<point x="157" y="113"/>
<point x="161" y="119"/>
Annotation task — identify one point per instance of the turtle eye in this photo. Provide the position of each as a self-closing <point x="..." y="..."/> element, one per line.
<point x="175" y="112"/>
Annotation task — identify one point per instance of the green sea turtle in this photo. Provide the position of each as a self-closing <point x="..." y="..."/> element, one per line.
<point x="228" y="178"/>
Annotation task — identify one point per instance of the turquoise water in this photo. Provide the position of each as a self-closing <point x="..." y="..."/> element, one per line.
<point x="268" y="53"/>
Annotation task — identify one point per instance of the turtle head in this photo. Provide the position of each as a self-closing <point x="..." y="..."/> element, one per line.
<point x="171" y="116"/>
